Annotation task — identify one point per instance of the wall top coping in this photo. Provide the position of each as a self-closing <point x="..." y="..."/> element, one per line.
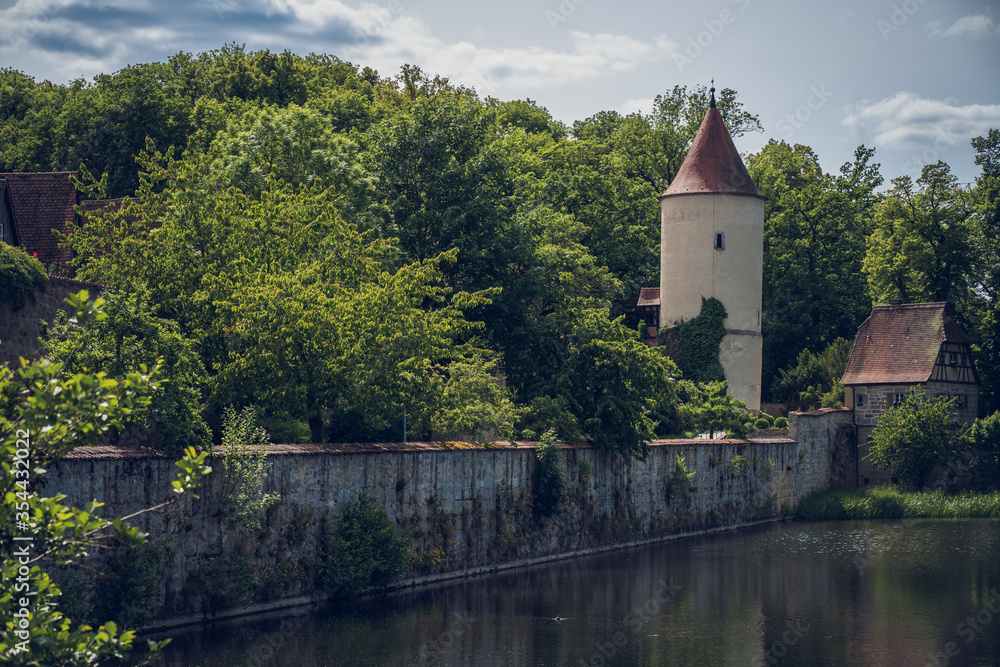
<point x="820" y="412"/>
<point x="115" y="452"/>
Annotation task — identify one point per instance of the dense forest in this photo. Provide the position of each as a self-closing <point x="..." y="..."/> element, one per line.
<point x="345" y="251"/>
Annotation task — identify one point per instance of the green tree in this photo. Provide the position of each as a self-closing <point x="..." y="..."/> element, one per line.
<point x="916" y="438"/>
<point x="292" y="145"/>
<point x="617" y="387"/>
<point x="52" y="412"/>
<point x="815" y="227"/>
<point x="127" y="339"/>
<point x="985" y="437"/>
<point x="979" y="309"/>
<point x="919" y="249"/>
<point x="821" y="371"/>
<point x="709" y="407"/>
<point x="473" y="403"/>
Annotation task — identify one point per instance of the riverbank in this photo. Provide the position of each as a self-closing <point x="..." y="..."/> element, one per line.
<point x="889" y="502"/>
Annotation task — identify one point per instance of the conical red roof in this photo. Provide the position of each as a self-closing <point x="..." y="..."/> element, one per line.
<point x="713" y="164"/>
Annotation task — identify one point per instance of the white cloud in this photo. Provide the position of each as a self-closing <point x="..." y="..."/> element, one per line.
<point x="407" y="39"/>
<point x="907" y="121"/>
<point x="973" y="25"/>
<point x="636" y="105"/>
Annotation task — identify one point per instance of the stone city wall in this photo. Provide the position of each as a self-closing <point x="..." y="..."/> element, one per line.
<point x="465" y="510"/>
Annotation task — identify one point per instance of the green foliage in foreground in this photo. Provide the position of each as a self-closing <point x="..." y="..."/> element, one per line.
<point x="887" y="502"/>
<point x="53" y="412"/>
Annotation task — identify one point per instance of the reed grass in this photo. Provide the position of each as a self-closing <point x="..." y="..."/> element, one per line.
<point x="888" y="502"/>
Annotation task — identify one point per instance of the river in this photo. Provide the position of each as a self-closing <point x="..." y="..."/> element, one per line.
<point x="912" y="592"/>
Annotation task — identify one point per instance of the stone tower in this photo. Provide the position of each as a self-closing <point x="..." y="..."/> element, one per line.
<point x="712" y="244"/>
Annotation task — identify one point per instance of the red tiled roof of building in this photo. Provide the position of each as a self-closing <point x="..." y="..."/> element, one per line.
<point x="899" y="343"/>
<point x="713" y="165"/>
<point x="42" y="202"/>
<point x="648" y="296"/>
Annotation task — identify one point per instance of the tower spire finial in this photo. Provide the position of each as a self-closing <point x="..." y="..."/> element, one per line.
<point x="711" y="102"/>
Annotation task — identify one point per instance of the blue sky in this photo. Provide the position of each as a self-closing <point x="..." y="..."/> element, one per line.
<point x="917" y="79"/>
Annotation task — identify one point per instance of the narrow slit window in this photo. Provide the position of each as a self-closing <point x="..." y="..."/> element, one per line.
<point x="861" y="400"/>
<point x="720" y="240"/>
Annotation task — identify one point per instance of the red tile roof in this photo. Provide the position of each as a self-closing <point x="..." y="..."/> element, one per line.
<point x="648" y="296"/>
<point x="899" y="343"/>
<point x="713" y="165"/>
<point x="43" y="202"/>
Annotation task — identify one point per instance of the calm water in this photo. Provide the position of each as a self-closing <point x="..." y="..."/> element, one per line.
<point x="834" y="593"/>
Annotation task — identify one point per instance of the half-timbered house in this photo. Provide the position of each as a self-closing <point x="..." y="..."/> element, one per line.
<point x="901" y="346"/>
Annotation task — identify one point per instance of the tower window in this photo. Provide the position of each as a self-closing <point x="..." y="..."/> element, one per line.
<point x="861" y="400"/>
<point x="720" y="241"/>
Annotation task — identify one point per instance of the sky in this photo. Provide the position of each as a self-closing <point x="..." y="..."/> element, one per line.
<point x="916" y="79"/>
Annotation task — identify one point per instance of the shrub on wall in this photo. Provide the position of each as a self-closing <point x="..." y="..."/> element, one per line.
<point x="364" y="549"/>
<point x="550" y="477"/>
<point x="244" y="461"/>
<point x="680" y="481"/>
<point x="21" y="275"/>
<point x="128" y="588"/>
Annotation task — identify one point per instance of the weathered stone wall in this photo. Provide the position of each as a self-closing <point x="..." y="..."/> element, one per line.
<point x="19" y="329"/>
<point x="465" y="509"/>
<point x="828" y="447"/>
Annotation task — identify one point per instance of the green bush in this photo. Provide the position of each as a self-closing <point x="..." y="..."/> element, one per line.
<point x="985" y="435"/>
<point x="552" y="412"/>
<point x="364" y="549"/>
<point x="769" y="418"/>
<point x="679" y="483"/>
<point x="917" y="437"/>
<point x="761" y="424"/>
<point x="781" y="422"/>
<point x="550" y="477"/>
<point x="21" y="275"/>
<point x="128" y="588"/>
<point x="244" y="461"/>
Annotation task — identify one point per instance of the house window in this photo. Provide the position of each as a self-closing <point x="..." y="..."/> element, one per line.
<point x="960" y="403"/>
<point x="953" y="358"/>
<point x="897" y="399"/>
<point x="861" y="400"/>
<point x="720" y="240"/>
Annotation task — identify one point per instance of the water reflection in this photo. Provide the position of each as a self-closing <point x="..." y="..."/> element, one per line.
<point x="900" y="593"/>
